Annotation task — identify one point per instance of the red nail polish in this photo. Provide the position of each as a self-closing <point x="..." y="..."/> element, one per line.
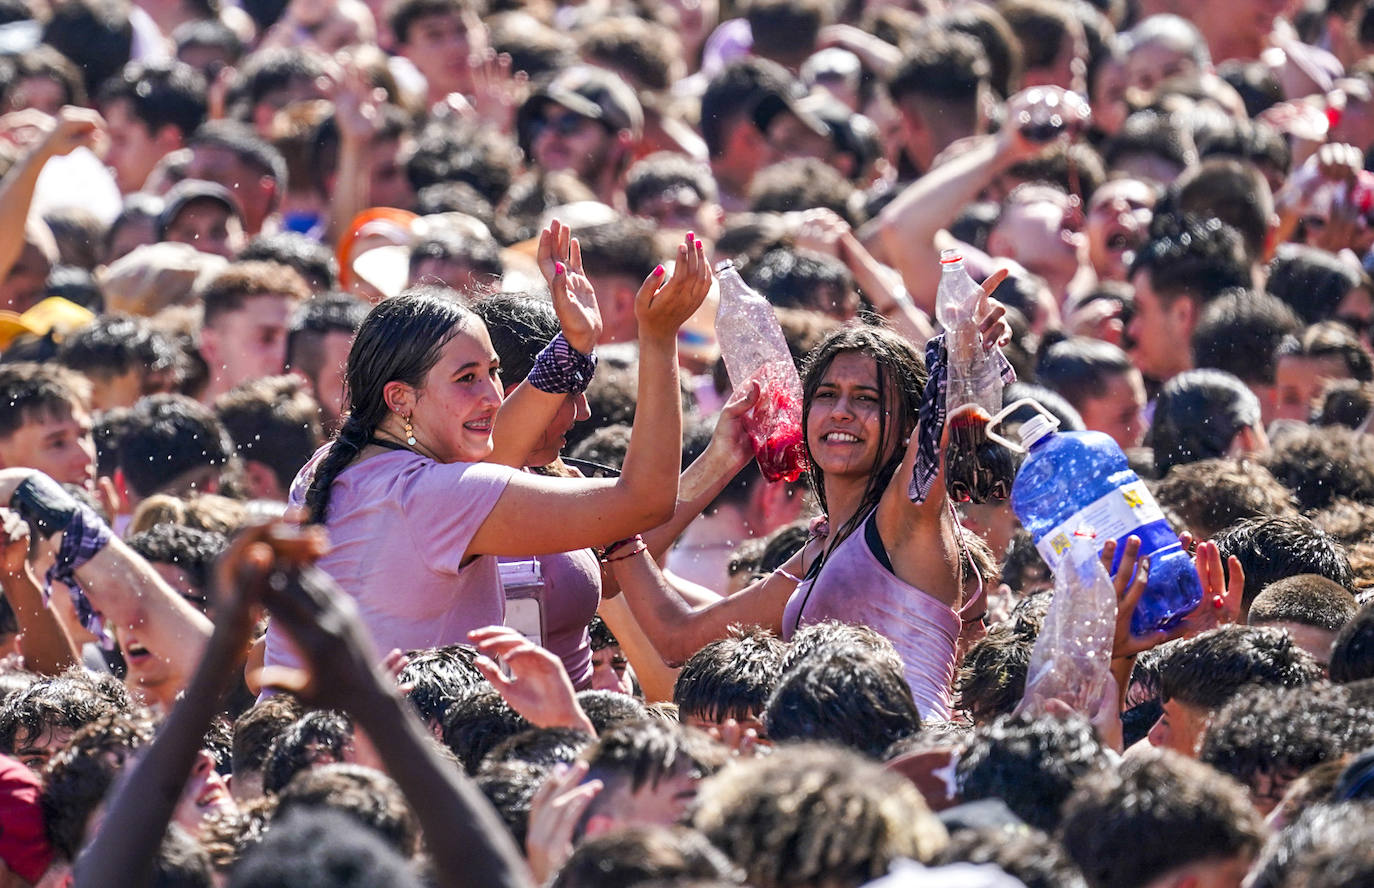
<point x="691" y="237"/>
<point x="658" y="271"/>
<point x="558" y="268"/>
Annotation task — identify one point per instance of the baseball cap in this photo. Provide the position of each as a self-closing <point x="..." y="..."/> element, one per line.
<point x="188" y="190"/>
<point x="592" y="92"/>
<point x="23" y="842"/>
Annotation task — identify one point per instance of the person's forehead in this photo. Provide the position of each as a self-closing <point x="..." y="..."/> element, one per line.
<point x="1126" y="189"/>
<point x="201" y="208"/>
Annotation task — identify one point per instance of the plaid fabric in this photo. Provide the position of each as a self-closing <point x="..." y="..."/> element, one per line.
<point x="932" y="416"/>
<point x="86" y="535"/>
<point x="561" y="369"/>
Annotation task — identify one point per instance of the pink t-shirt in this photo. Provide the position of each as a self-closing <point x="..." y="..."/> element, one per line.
<point x="398" y="525"/>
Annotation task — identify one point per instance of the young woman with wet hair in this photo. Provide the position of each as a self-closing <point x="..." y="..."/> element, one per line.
<point x="877" y="558"/>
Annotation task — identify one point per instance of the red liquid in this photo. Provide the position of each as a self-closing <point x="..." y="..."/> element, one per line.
<point x="774" y="426"/>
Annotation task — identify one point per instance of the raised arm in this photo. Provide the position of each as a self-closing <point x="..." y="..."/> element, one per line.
<point x="146" y="798"/>
<point x="921" y="537"/>
<point x="71" y="129"/>
<point x="473" y="848"/>
<point x="537" y="515"/>
<point x="906" y="228"/>
<point x="117" y="581"/>
<point x="527" y="412"/>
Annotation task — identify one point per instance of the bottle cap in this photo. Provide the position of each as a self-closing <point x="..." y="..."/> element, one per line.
<point x="949" y="257"/>
<point x="1037" y="427"/>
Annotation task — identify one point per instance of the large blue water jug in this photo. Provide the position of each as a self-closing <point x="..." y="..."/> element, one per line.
<point x="1076" y="482"/>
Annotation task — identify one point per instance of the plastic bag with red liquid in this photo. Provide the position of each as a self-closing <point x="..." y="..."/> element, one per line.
<point x="754" y="350"/>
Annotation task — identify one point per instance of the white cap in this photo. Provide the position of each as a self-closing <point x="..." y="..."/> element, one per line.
<point x="1037" y="427"/>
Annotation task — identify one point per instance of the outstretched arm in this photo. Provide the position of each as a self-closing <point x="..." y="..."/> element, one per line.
<point x="527" y="412"/>
<point x="146" y="799"/>
<point x="906" y="228"/>
<point x="537" y="515"/>
<point x="71" y="129"/>
<point x="474" y="849"/>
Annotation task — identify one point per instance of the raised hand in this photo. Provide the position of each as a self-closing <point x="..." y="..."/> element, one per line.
<point x="820" y="230"/>
<point x="730" y="439"/>
<point x="538" y="687"/>
<point x="992" y="315"/>
<point x="1223" y="592"/>
<point x="497" y="90"/>
<point x="560" y="261"/>
<point x="554" y="813"/>
<point x="662" y="307"/>
<point x="356" y="103"/>
<point x="74" y="128"/>
<point x="1131" y="578"/>
<point x="241" y="573"/>
<point x="14" y="544"/>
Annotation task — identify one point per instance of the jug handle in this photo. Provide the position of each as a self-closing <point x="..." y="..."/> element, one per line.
<point x="1008" y="411"/>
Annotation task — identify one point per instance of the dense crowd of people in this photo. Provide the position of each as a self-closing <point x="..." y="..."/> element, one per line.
<point x="376" y="507"/>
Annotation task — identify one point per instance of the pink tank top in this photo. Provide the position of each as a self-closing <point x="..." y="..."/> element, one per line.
<point x="854" y="586"/>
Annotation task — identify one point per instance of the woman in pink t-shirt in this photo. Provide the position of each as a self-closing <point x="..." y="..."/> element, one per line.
<point x="877" y="558"/>
<point x="417" y="491"/>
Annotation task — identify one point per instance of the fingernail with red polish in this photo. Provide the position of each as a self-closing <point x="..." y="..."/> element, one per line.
<point x="658" y="271"/>
<point x="691" y="237"/>
<point x="558" y="268"/>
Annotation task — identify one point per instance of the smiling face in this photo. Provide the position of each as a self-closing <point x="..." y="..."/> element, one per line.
<point x="452" y="412"/>
<point x="844" y="417"/>
<point x="57" y="444"/>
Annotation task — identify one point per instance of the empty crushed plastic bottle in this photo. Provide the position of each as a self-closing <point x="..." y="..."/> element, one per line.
<point x="1072" y="657"/>
<point x="753" y="347"/>
<point x="977" y="469"/>
<point x="1076" y="482"/>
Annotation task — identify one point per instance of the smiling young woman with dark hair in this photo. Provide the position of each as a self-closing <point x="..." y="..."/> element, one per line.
<point x="877" y="558"/>
<point x="418" y="491"/>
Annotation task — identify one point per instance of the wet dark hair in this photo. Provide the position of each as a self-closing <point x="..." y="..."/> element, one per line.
<point x="901" y="385"/>
<point x="1030" y="763"/>
<point x="845" y="695"/>
<point x="731" y="677"/>
<point x="400" y="340"/>
<point x="1197" y="416"/>
<point x="1209" y="670"/>
<point x="520" y="326"/>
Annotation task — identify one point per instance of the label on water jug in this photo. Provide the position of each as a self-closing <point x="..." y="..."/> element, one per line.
<point x="1110" y="517"/>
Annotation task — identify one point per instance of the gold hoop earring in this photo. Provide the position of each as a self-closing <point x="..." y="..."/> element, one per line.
<point x="410" y="432"/>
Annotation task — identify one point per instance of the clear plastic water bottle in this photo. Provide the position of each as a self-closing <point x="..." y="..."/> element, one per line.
<point x="1072" y="657"/>
<point x="1073" y="483"/>
<point x="754" y="349"/>
<point x="977" y="469"/>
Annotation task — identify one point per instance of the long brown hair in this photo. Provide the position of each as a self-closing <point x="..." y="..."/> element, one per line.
<point x="901" y="383"/>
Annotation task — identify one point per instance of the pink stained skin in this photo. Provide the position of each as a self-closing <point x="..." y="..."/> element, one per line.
<point x="774" y="427"/>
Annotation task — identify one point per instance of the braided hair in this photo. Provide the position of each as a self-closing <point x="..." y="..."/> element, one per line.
<point x="399" y="340"/>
